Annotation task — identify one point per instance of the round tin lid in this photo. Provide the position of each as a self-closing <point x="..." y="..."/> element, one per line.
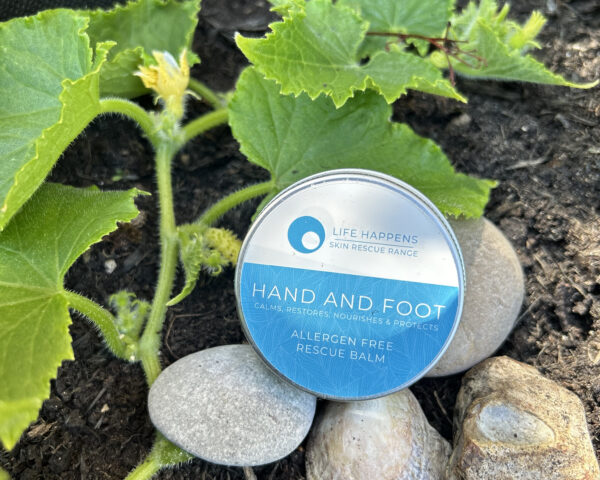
<point x="350" y="284"/>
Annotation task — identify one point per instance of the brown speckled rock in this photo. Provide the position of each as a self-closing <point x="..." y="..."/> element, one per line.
<point x="511" y="423"/>
<point x="225" y="406"/>
<point x="493" y="297"/>
<point x="385" y="439"/>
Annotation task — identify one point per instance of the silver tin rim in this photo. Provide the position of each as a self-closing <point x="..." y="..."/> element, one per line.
<point x="372" y="177"/>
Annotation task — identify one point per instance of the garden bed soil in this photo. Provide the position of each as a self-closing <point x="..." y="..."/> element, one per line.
<point x="542" y="144"/>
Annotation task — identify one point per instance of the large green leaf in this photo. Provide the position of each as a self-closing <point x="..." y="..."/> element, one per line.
<point x="331" y="48"/>
<point x="501" y="46"/>
<point x="317" y="49"/>
<point x="293" y="137"/>
<point x="138" y="28"/>
<point x="36" y="249"/>
<point x="50" y="80"/>
<point x="48" y="94"/>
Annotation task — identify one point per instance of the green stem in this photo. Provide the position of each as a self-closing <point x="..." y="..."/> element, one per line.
<point x="133" y="111"/>
<point x="206" y="93"/>
<point x="101" y="317"/>
<point x="203" y="123"/>
<point x="145" y="470"/>
<point x="163" y="454"/>
<point x="225" y="204"/>
<point x="150" y="342"/>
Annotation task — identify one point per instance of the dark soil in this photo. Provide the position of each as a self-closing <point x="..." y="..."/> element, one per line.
<point x="542" y="143"/>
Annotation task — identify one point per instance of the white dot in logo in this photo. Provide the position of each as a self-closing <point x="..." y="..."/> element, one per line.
<point x="310" y="240"/>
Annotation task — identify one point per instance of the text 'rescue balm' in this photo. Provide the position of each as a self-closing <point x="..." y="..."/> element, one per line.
<point x="350" y="284"/>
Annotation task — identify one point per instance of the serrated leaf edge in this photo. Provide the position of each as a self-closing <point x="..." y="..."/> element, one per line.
<point x="59" y="294"/>
<point x="485" y="185"/>
<point x="132" y="194"/>
<point x="361" y="86"/>
<point x="96" y="61"/>
<point x="559" y="80"/>
<point x="193" y="59"/>
<point x="412" y="83"/>
<point x="292" y="16"/>
<point x="115" y="11"/>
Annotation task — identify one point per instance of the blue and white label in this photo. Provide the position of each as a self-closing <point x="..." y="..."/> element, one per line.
<point x="345" y="335"/>
<point x="350" y="286"/>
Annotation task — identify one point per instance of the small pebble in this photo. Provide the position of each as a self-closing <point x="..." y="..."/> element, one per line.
<point x="494" y="293"/>
<point x="225" y="406"/>
<point x="512" y="423"/>
<point x="383" y="439"/>
<point x="563" y="121"/>
<point x="110" y="266"/>
<point x="463" y="120"/>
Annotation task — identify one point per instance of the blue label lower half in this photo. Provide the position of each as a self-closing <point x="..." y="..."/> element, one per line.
<point x="345" y="336"/>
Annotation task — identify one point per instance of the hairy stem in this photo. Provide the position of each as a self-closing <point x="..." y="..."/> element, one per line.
<point x="133" y="111"/>
<point x="204" y="123"/>
<point x="101" y="317"/>
<point x="232" y="200"/>
<point x="145" y="470"/>
<point x="206" y="94"/>
<point x="150" y="342"/>
<point x="163" y="454"/>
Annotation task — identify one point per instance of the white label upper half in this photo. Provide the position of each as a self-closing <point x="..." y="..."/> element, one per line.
<point x="359" y="228"/>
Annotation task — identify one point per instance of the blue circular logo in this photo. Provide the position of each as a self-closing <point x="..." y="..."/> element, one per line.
<point x="306" y="234"/>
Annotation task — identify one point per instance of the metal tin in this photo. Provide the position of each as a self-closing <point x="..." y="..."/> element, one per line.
<point x="350" y="284"/>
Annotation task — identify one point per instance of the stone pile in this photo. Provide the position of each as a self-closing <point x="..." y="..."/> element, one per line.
<point x="225" y="406"/>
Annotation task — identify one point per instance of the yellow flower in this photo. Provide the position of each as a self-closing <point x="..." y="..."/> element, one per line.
<point x="168" y="79"/>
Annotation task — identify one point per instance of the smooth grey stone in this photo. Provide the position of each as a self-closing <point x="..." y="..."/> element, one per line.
<point x="512" y="423"/>
<point x="494" y="293"/>
<point x="225" y="406"/>
<point x="384" y="439"/>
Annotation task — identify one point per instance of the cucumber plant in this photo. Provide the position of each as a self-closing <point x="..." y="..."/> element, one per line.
<point x="327" y="71"/>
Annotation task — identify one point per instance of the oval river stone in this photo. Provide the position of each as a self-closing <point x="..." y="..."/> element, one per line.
<point x="225" y="406"/>
<point x="493" y="295"/>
